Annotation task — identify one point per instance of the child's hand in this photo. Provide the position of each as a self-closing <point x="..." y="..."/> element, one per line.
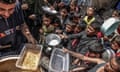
<point x="58" y="31"/>
<point x="63" y="36"/>
<point x="65" y="50"/>
<point x="32" y="16"/>
<point x="40" y="30"/>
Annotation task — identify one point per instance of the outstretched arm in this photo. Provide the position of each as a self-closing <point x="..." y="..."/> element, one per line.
<point x="85" y="58"/>
<point x="27" y="34"/>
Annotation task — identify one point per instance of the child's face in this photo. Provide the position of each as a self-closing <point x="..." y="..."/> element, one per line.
<point x="114" y="45"/>
<point x="77" y="30"/>
<point x="63" y="12"/>
<point x="90" y="30"/>
<point x="46" y="21"/>
<point x="72" y="6"/>
<point x="68" y="28"/>
<point x="90" y="11"/>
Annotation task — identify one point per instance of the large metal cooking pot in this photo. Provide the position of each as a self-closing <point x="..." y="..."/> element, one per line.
<point x="53" y="39"/>
<point x="8" y="64"/>
<point x="109" y="26"/>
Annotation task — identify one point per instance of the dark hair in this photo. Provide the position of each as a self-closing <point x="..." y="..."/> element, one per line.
<point x="48" y="16"/>
<point x="96" y="25"/>
<point x="117" y="39"/>
<point x="56" y="20"/>
<point x="83" y="25"/>
<point x="70" y="23"/>
<point x="78" y="26"/>
<point x="65" y="8"/>
<point x="96" y="47"/>
<point x="8" y="1"/>
<point x="77" y="15"/>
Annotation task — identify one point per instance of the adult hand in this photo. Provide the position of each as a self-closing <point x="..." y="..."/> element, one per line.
<point x="32" y="40"/>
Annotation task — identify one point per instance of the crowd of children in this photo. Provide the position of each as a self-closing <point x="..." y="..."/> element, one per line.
<point x="80" y="29"/>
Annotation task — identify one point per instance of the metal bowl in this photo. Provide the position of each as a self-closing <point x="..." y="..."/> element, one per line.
<point x="109" y="26"/>
<point x="49" y="10"/>
<point x="53" y="39"/>
<point x="108" y="54"/>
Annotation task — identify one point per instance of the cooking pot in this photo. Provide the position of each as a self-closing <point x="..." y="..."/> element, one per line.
<point x="8" y="64"/>
<point x="109" y="26"/>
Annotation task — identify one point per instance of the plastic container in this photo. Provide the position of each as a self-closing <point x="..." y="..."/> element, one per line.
<point x="59" y="61"/>
<point x="29" y="57"/>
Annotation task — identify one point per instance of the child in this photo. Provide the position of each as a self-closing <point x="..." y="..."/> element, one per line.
<point x="47" y="27"/>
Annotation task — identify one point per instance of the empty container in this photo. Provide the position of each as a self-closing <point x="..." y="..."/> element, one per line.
<point x="59" y="61"/>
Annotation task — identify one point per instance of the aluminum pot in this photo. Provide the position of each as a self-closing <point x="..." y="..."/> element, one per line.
<point x="8" y="64"/>
<point x="109" y="26"/>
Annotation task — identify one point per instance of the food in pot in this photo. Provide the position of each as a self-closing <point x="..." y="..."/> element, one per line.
<point x="31" y="60"/>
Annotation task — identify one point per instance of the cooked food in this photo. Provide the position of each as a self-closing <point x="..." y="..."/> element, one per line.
<point x="31" y="60"/>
